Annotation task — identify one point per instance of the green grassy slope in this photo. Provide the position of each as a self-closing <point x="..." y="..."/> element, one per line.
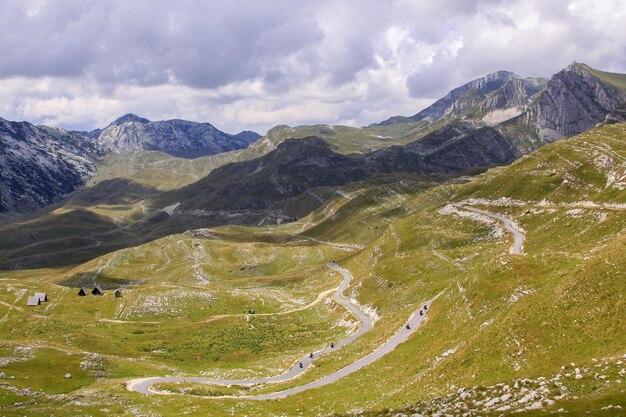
<point x="615" y="79"/>
<point x="500" y="318"/>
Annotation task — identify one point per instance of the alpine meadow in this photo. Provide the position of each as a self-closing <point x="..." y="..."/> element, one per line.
<point x="418" y="230"/>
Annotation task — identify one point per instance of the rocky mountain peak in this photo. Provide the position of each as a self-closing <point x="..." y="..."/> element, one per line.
<point x="179" y="138"/>
<point x="130" y="117"/>
<point x="577" y="67"/>
<point x="573" y="101"/>
<point x="459" y="100"/>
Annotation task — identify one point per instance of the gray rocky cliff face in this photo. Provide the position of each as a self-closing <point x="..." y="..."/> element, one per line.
<point x="574" y="101"/>
<point x="512" y="94"/>
<point x="40" y="165"/>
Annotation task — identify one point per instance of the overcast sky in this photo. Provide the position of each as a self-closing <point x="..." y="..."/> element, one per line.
<point x="255" y="64"/>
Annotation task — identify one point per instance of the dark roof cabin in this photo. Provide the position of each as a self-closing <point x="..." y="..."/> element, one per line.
<point x="33" y="301"/>
<point x="118" y="294"/>
<point x="97" y="290"/>
<point x="83" y="292"/>
<point x="42" y="296"/>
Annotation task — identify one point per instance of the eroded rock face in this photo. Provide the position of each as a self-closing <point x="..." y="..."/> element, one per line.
<point x="40" y="165"/>
<point x="574" y="101"/>
<point x="513" y="93"/>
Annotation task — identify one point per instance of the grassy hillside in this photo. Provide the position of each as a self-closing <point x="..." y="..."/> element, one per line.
<point x="518" y="320"/>
<point x="615" y="79"/>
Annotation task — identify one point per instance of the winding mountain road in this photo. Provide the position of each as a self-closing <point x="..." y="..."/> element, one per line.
<point x="510" y="225"/>
<point x="143" y="386"/>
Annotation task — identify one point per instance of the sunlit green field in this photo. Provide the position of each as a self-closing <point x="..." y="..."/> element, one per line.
<point x="499" y="317"/>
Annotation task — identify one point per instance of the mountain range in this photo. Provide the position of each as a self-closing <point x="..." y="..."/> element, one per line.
<point x="41" y="165"/>
<point x="467" y="260"/>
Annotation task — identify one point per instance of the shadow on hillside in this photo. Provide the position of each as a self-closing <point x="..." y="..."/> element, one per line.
<point x="78" y="236"/>
<point x="110" y="192"/>
<point x="92" y="278"/>
<point x="284" y="185"/>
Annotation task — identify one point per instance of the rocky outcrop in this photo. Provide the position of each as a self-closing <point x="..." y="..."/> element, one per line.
<point x="574" y="101"/>
<point x="513" y="93"/>
<point x="179" y="138"/>
<point x="616" y="116"/>
<point x="40" y="165"/>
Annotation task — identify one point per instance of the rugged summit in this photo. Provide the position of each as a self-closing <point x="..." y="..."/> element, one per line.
<point x="175" y="137"/>
<point x="40" y="165"/>
<point x="530" y="111"/>
<point x="573" y="101"/>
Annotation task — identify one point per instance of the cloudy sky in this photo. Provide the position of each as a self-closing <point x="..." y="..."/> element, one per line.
<point x="255" y="64"/>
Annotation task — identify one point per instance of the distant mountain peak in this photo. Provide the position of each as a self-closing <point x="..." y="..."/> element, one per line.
<point x="248" y="135"/>
<point x="459" y="99"/>
<point x="130" y="117"/>
<point x="180" y="138"/>
<point x="501" y="74"/>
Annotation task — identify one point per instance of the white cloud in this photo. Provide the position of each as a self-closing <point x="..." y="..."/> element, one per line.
<point x="251" y="65"/>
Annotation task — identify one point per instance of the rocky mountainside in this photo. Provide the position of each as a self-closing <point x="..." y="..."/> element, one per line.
<point x="451" y="149"/>
<point x="460" y="99"/>
<point x="40" y="165"/>
<point x="298" y="165"/>
<point x="573" y="101"/>
<point x="175" y="137"/>
<point x="531" y="111"/>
